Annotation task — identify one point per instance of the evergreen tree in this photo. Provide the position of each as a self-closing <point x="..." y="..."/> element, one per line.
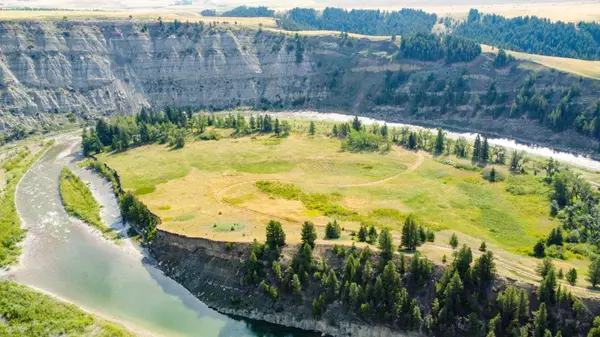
<point x="412" y="141"/>
<point x="555" y="237"/>
<point x="540" y="321"/>
<point x="410" y="235"/>
<point x="384" y="130"/>
<point x="484" y="270"/>
<point x="311" y="128"/>
<point x="482" y="247"/>
<point x="477" y="148"/>
<point x="547" y="289"/>
<point x="386" y="245"/>
<point x="356" y="124"/>
<point x="372" y="235"/>
<point x="296" y="286"/>
<point x="595" y="331"/>
<point x="333" y="230"/>
<point x="362" y="233"/>
<point x="594" y="272"/>
<point x="277" y="274"/>
<point x="453" y="241"/>
<point x="539" y="250"/>
<point x="309" y="234"/>
<point x="334" y="131"/>
<point x="440" y="141"/>
<point x="485" y="150"/>
<point x="275" y="234"/>
<point x="277" y="128"/>
<point x="572" y="276"/>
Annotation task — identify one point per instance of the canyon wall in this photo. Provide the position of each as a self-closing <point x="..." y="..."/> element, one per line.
<point x="51" y="68"/>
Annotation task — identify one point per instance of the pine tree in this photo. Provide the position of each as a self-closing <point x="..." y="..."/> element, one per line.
<point x="483" y="247"/>
<point x="275" y="234"/>
<point x="572" y="276"/>
<point x="309" y="234"/>
<point x="412" y="141"/>
<point x="311" y="128"/>
<point x="386" y="245"/>
<point x="594" y="272"/>
<point x="384" y="130"/>
<point x="372" y="235"/>
<point x="296" y="286"/>
<point x="277" y="128"/>
<point x="485" y="150"/>
<point x="439" y="141"/>
<point x="540" y="321"/>
<point x="333" y="230"/>
<point x="453" y="241"/>
<point x="410" y="235"/>
<point x="362" y="233"/>
<point x="356" y="124"/>
<point x="334" y="131"/>
<point x="477" y="148"/>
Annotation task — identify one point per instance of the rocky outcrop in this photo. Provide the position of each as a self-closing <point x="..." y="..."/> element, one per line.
<point x="101" y="68"/>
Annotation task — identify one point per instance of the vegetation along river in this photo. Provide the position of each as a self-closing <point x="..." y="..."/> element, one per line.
<point x="65" y="258"/>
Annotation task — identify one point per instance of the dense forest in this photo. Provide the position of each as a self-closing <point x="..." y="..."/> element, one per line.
<point x="528" y="34"/>
<point x="245" y="11"/>
<point x="533" y="35"/>
<point x="360" y="21"/>
<point x="431" y="47"/>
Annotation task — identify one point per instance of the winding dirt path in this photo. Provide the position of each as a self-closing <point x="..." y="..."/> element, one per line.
<point x="221" y="192"/>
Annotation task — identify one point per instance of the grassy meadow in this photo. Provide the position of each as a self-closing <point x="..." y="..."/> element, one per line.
<point x="80" y="203"/>
<point x="242" y="183"/>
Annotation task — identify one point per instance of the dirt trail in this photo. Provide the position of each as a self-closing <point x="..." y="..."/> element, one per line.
<point x="221" y="192"/>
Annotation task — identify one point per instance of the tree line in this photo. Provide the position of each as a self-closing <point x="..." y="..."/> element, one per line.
<point x="173" y="126"/>
<point x="360" y="21"/>
<point x="432" y="47"/>
<point x="534" y="35"/>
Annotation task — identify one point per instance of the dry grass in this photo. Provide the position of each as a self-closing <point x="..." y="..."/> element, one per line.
<point x="584" y="68"/>
<point x="208" y="189"/>
<point x="136" y="17"/>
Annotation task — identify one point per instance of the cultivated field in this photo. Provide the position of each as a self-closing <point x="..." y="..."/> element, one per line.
<point x="228" y="190"/>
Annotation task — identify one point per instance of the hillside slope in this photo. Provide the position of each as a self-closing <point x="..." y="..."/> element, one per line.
<point x="102" y="68"/>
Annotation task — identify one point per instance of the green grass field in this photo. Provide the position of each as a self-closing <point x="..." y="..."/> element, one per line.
<point x="24" y="312"/>
<point x="80" y="203"/>
<point x="302" y="178"/>
<point x="228" y="190"/>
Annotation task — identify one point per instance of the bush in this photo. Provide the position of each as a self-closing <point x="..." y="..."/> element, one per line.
<point x="556" y="252"/>
<point x="492" y="175"/>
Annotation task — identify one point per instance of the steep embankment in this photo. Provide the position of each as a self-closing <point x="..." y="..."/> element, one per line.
<point x="213" y="273"/>
<point x="101" y="68"/>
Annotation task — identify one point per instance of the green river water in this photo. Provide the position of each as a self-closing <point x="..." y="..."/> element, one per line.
<point x="65" y="258"/>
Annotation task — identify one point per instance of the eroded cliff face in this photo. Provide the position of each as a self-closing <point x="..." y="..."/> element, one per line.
<point x="101" y="68"/>
<point x="214" y="274"/>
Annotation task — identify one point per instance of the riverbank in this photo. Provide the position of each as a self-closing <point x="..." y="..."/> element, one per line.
<point x="71" y="261"/>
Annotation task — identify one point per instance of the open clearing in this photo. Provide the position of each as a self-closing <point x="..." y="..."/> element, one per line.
<point x="228" y="190"/>
<point x="211" y="184"/>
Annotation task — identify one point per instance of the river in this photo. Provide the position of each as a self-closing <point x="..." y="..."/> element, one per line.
<point x="64" y="257"/>
<point x="565" y="157"/>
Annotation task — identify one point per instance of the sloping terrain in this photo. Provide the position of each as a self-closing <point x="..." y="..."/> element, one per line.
<point x="101" y="68"/>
